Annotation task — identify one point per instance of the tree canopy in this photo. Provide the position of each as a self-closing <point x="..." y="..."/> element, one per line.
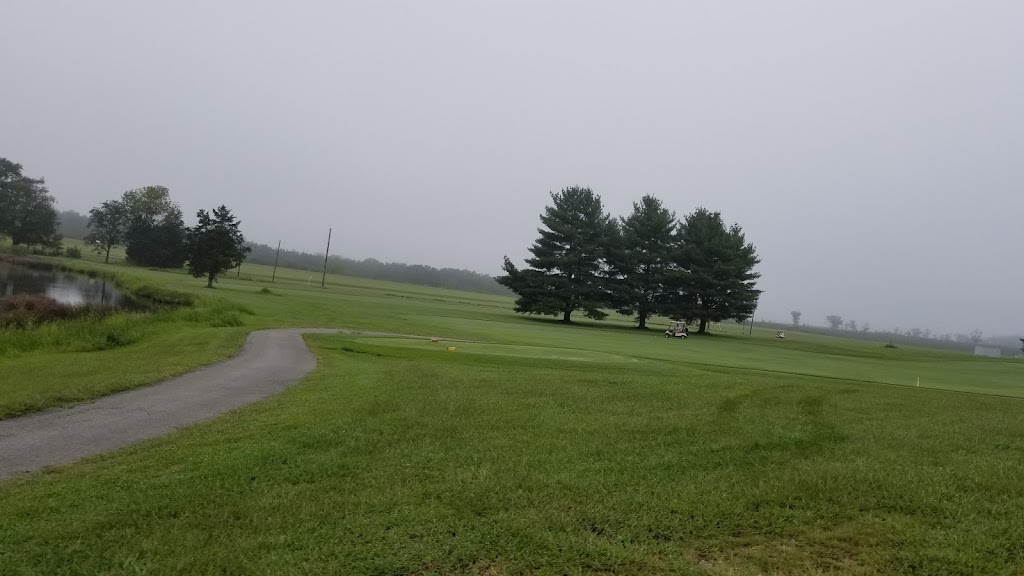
<point x="568" y="270"/>
<point x="215" y="244"/>
<point x="155" y="233"/>
<point x="644" y="264"/>
<point x="715" y="277"/>
<point x="27" y="212"/>
<point x="107" y="227"/>
<point x="641" y="259"/>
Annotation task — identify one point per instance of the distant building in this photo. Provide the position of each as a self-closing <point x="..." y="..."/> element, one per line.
<point x="988" y="351"/>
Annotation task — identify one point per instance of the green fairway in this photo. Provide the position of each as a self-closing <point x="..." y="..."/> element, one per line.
<point x="488" y="349"/>
<point x="532" y="447"/>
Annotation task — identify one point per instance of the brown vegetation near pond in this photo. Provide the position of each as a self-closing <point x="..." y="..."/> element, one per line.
<point x="27" y="310"/>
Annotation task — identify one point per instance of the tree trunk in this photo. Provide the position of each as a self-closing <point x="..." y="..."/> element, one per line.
<point x="642" y="317"/>
<point x="703" y="326"/>
<point x="209" y="282"/>
<point x="107" y="259"/>
<point x="566" y="314"/>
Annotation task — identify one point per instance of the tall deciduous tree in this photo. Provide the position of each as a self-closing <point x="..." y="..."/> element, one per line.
<point x="156" y="231"/>
<point x="148" y="203"/>
<point x="642" y="258"/>
<point x="796" y="317"/>
<point x="27" y="213"/>
<point x="835" y="321"/>
<point x="215" y="244"/>
<point x="108" y="224"/>
<point x="715" y="279"/>
<point x="568" y="270"/>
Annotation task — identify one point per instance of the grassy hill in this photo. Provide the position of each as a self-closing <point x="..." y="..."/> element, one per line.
<point x="534" y="448"/>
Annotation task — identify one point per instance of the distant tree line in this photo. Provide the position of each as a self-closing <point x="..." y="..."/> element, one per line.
<point x="924" y="337"/>
<point x="377" y="270"/>
<point x="72" y="224"/>
<point x="648" y="263"/>
<point x="149" y="224"/>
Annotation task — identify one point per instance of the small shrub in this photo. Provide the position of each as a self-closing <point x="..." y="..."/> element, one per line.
<point x="266" y="292"/>
<point x="73" y="252"/>
<point x="890" y="345"/>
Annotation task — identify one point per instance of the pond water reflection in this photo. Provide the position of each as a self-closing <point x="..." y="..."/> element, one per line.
<point x="65" y="287"/>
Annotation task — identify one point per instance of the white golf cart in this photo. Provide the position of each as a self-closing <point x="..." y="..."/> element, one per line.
<point x="678" y="330"/>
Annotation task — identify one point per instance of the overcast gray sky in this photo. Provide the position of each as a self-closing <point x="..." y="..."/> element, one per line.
<point x="873" y="151"/>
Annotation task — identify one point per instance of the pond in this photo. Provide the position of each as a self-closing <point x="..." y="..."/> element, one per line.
<point x="64" y="287"/>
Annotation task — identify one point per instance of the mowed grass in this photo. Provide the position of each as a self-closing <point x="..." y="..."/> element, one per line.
<point x="398" y="459"/>
<point x="40" y="380"/>
<point x="535" y="448"/>
<point x="74" y="361"/>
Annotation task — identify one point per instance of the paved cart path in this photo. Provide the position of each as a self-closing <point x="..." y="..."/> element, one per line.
<point x="270" y="361"/>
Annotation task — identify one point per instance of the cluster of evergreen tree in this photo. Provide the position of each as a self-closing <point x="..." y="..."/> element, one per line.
<point x="370" y="268"/>
<point x="649" y="263"/>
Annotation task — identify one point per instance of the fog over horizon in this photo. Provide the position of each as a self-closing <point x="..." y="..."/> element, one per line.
<point x="872" y="151"/>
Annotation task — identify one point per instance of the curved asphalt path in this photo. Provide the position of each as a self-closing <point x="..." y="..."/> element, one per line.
<point x="270" y="361"/>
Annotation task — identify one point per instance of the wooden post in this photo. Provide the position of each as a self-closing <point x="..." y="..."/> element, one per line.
<point x="278" y="255"/>
<point x="323" y="279"/>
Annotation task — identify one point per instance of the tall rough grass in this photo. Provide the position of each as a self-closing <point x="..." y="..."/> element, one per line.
<point x="94" y="332"/>
<point x="28" y="310"/>
<point x="85" y="334"/>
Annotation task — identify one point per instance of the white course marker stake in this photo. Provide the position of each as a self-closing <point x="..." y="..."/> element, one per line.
<point x="918" y="381"/>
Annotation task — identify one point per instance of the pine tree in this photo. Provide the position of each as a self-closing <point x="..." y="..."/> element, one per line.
<point x="568" y="270"/>
<point x="215" y="244"/>
<point x="714" y="279"/>
<point x="642" y="259"/>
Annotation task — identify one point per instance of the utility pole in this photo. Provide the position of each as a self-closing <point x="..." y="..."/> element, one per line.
<point x="323" y="279"/>
<point x="278" y="255"/>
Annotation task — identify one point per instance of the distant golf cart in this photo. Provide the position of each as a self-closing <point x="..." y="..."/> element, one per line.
<point x="678" y="330"/>
<point x="780" y="334"/>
